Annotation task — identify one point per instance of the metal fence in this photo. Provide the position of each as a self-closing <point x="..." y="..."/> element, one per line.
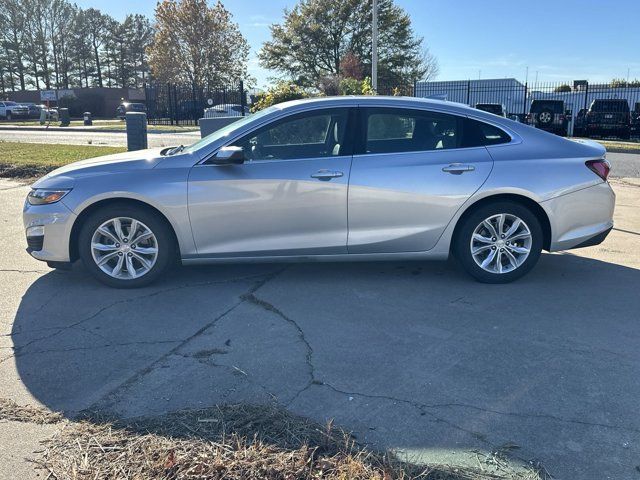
<point x="517" y="97"/>
<point x="176" y="104"/>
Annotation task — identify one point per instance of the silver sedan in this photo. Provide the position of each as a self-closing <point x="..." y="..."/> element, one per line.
<point x="331" y="179"/>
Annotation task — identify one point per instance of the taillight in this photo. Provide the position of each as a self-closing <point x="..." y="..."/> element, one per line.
<point x="599" y="167"/>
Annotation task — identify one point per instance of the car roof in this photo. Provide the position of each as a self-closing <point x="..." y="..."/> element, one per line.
<point x="381" y="100"/>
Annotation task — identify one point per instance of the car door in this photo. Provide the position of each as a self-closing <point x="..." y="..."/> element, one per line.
<point x="411" y="171"/>
<point x="289" y="197"/>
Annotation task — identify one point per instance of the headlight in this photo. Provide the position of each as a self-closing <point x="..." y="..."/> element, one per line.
<point x="42" y="196"/>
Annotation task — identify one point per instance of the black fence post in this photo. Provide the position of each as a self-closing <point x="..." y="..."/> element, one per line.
<point x="243" y="98"/>
<point x="175" y="104"/>
<point x="469" y="92"/>
<point x="586" y="95"/>
<point x="169" y="104"/>
<point x="524" y="101"/>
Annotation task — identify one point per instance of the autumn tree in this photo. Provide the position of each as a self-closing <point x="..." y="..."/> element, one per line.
<point x="317" y="35"/>
<point x="196" y="44"/>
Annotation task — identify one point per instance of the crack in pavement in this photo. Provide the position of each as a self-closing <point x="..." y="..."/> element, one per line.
<point x="110" y="398"/>
<point x="101" y="310"/>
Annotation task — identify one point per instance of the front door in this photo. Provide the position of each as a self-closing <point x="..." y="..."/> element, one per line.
<point x="411" y="172"/>
<point x="288" y="198"/>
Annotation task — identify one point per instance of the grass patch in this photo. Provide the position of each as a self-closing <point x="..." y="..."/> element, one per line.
<point x="616" y="145"/>
<point x="234" y="442"/>
<point x="26" y="160"/>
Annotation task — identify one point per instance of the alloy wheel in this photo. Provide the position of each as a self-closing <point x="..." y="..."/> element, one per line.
<point x="124" y="248"/>
<point x="501" y="243"/>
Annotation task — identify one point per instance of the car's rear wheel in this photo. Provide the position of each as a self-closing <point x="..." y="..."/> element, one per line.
<point x="126" y="246"/>
<point x="499" y="242"/>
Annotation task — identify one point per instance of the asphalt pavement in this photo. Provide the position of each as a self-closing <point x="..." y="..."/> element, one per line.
<point x="415" y="357"/>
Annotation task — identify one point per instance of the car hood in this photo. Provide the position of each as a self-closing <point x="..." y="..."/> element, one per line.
<point x="64" y="177"/>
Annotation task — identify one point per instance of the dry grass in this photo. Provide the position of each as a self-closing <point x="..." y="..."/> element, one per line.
<point x="10" y="410"/>
<point x="232" y="442"/>
<point x="229" y="442"/>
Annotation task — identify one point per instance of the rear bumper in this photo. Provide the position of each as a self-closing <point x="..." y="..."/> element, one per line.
<point x="580" y="217"/>
<point x="596" y="239"/>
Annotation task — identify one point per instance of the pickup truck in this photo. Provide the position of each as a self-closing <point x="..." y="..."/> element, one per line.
<point x="10" y="110"/>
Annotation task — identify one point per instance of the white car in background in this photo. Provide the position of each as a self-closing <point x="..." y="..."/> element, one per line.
<point x="226" y="110"/>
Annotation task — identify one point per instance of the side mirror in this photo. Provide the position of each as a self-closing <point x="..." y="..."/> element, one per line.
<point x="229" y="156"/>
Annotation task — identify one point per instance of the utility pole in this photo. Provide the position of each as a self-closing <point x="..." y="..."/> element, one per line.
<point x="374" y="47"/>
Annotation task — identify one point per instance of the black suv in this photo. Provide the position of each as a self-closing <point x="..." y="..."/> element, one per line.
<point x="635" y="120"/>
<point x="549" y="115"/>
<point x="609" y="117"/>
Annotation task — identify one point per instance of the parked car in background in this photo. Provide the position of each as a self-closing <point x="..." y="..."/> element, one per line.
<point x="549" y="115"/>
<point x="609" y="117"/>
<point x="420" y="179"/>
<point x="580" y="126"/>
<point x="125" y="107"/>
<point x="635" y="120"/>
<point x="495" y="108"/>
<point x="225" y="110"/>
<point x="34" y="110"/>
<point x="11" y="110"/>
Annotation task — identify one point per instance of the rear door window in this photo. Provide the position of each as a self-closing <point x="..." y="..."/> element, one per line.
<point x="396" y="130"/>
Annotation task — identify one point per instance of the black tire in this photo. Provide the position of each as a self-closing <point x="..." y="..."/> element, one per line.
<point x="8" y="117"/>
<point x="462" y="242"/>
<point x="166" y="244"/>
<point x="548" y="122"/>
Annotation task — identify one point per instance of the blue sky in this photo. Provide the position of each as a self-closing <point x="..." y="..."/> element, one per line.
<point x="558" y="40"/>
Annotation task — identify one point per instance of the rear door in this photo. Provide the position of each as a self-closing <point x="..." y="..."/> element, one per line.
<point x="411" y="172"/>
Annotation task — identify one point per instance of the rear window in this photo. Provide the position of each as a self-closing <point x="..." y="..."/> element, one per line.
<point x="609" y="106"/>
<point x="477" y="134"/>
<point x="538" y="106"/>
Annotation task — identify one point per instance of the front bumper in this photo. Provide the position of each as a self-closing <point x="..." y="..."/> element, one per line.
<point x="580" y="217"/>
<point x="57" y="221"/>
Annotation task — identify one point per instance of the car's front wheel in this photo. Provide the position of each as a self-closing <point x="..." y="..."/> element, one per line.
<point x="126" y="246"/>
<point x="499" y="242"/>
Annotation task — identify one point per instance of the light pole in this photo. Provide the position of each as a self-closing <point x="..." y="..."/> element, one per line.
<point x="374" y="47"/>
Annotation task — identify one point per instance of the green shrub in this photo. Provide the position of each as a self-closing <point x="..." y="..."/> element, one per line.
<point x="281" y="92"/>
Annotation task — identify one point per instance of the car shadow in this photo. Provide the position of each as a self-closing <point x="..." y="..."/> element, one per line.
<point x="411" y="356"/>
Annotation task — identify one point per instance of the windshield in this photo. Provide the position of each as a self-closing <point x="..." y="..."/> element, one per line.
<point x="10" y="103"/>
<point x="555" y="106"/>
<point x="610" y="106"/>
<point x="223" y="132"/>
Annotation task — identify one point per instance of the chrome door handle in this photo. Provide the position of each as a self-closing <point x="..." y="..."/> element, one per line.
<point x="458" y="168"/>
<point x="326" y="174"/>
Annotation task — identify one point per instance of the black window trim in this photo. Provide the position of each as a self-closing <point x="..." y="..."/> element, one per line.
<point x="359" y="143"/>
